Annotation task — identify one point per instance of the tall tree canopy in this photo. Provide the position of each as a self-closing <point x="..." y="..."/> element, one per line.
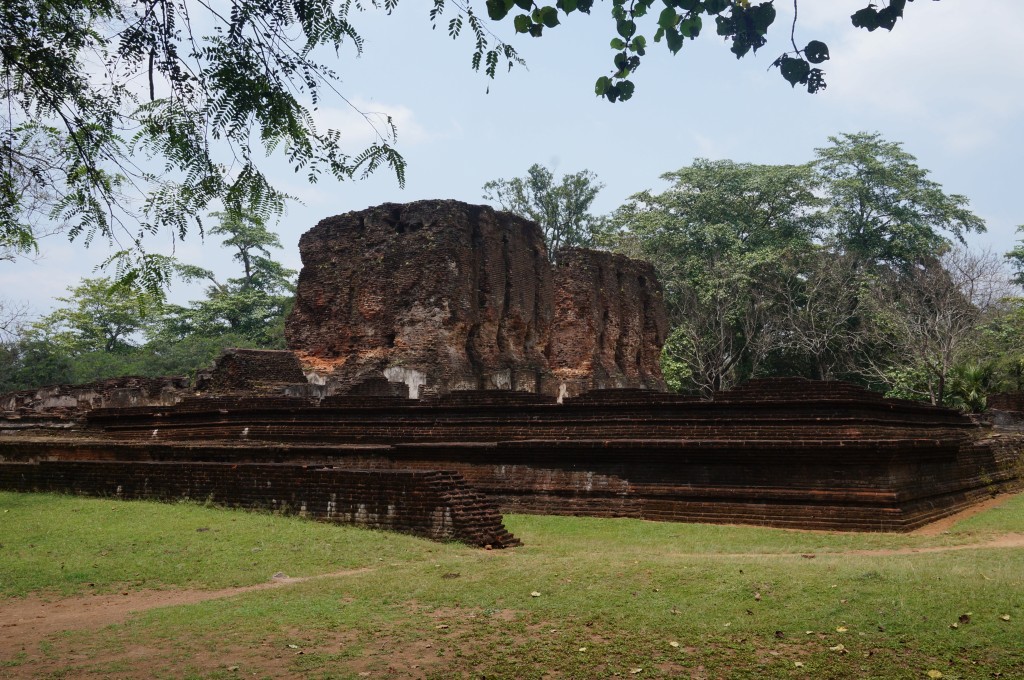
<point x="562" y="210"/>
<point x="883" y="208"/>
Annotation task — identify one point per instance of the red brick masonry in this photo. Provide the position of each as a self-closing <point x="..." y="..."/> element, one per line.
<point x="436" y="504"/>
<point x="788" y="452"/>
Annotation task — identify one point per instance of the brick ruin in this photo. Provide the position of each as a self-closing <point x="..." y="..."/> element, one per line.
<point x="442" y="371"/>
<point x="444" y="296"/>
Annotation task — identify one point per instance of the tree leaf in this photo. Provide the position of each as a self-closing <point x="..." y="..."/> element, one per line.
<point x="816" y="52"/>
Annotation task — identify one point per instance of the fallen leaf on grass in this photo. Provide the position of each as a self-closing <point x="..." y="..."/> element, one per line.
<point x="798" y="664"/>
<point x="583" y="649"/>
<point x="293" y="646"/>
<point x="838" y="648"/>
<point x="1005" y="617"/>
<point x="673" y="644"/>
<point x="535" y="594"/>
<point x="935" y="674"/>
<point x="634" y="671"/>
<point x="841" y="629"/>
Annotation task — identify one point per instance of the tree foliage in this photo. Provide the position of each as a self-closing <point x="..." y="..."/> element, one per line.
<point x="561" y="210"/>
<point x="843" y="267"/>
<point x="883" y="208"/>
<point x="742" y="23"/>
<point x="720" y="237"/>
<point x="130" y="118"/>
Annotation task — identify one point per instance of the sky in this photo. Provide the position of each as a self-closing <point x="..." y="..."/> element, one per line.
<point x="946" y="82"/>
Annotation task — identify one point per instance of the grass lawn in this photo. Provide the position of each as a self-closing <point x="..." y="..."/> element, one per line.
<point x="622" y="598"/>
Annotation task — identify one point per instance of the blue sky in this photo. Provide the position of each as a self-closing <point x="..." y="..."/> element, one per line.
<point x="946" y="82"/>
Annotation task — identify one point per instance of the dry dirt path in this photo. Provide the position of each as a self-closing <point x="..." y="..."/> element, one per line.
<point x="24" y="622"/>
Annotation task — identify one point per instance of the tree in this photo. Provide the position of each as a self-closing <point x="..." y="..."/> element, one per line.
<point x="97" y="316"/>
<point x="192" y="102"/>
<point x="560" y="209"/>
<point x="744" y="24"/>
<point x="136" y="122"/>
<point x="1016" y="258"/>
<point x="251" y="307"/>
<point x="821" y="313"/>
<point x="721" y="238"/>
<point x="930" y="320"/>
<point x="882" y="208"/>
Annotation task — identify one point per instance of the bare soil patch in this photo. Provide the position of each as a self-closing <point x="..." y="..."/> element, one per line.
<point x="946" y="523"/>
<point x="24" y="622"/>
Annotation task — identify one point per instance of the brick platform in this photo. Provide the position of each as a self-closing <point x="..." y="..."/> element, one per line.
<point x="788" y="452"/>
<point x="436" y="504"/>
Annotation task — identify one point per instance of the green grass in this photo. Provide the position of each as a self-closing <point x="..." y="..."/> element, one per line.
<point x="739" y="601"/>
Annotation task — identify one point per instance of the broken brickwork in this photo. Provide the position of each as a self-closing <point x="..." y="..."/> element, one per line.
<point x="609" y="323"/>
<point x="436" y="504"/>
<point x="446" y="296"/>
<point x="251" y="371"/>
<point x="780" y="452"/>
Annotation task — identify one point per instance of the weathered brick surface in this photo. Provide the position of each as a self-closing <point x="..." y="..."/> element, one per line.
<point x="251" y="371"/>
<point x="437" y="292"/>
<point x="1007" y="401"/>
<point x="782" y="452"/>
<point x="609" y="323"/>
<point x="446" y="296"/>
<point x="436" y="504"/>
<point x="71" y="401"/>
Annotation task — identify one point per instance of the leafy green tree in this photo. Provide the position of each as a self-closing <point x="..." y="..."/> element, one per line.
<point x="882" y="208"/>
<point x="561" y="210"/>
<point x="195" y="101"/>
<point x="1016" y="258"/>
<point x="251" y="307"/>
<point x="192" y="100"/>
<point x="742" y="23"/>
<point x="97" y="316"/>
<point x="929" y="321"/>
<point x="721" y="238"/>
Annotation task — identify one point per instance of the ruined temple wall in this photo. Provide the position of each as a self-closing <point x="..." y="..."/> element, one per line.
<point x="436" y="504"/>
<point x="439" y="294"/>
<point x="609" y="323"/>
<point x="119" y="392"/>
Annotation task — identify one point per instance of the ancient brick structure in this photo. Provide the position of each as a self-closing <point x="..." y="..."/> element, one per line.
<point x="1007" y="401"/>
<point x="250" y="371"/>
<point x="435" y="293"/>
<point x="436" y="504"/>
<point x="446" y="296"/>
<point x="62" y="402"/>
<point x="783" y="452"/>
<point x="609" y="323"/>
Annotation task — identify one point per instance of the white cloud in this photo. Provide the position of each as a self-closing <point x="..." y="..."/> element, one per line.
<point x="948" y="67"/>
<point x="365" y="121"/>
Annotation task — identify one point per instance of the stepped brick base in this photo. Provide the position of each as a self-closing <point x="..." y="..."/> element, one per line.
<point x="790" y="453"/>
<point x="435" y="504"/>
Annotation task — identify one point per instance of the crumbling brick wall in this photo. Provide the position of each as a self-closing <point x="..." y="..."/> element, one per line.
<point x="251" y="370"/>
<point x="71" y="400"/>
<point x="435" y="504"/>
<point x="609" y="323"/>
<point x="1007" y="401"/>
<point x="436" y="292"/>
<point x="446" y="296"/>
